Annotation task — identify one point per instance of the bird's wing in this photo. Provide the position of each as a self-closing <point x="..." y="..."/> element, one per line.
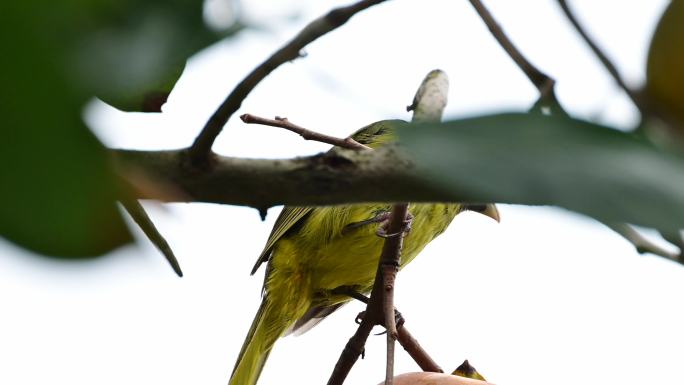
<point x="313" y="317"/>
<point x="287" y="218"/>
<point x="373" y="135"/>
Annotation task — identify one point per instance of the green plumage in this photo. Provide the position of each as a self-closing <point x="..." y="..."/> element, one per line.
<point x="313" y="250"/>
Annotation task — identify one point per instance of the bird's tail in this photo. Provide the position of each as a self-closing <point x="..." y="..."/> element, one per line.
<point x="265" y="330"/>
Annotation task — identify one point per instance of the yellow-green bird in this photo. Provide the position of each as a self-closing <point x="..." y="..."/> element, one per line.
<point x="313" y="250"/>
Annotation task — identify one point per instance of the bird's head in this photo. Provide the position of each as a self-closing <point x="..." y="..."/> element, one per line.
<point x="376" y="134"/>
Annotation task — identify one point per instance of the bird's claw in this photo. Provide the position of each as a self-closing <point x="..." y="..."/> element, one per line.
<point x="359" y="317"/>
<point x="405" y="227"/>
<point x="398" y="321"/>
<point x="382" y="217"/>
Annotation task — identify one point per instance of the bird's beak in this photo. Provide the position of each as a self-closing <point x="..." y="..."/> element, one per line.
<point x="489" y="210"/>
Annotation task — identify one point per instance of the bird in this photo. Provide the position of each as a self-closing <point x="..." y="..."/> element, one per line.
<point x="311" y="251"/>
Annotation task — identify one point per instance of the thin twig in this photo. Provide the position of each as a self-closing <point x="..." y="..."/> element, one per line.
<point x="374" y="310"/>
<point x="610" y="67"/>
<point x="389" y="367"/>
<point x="137" y="212"/>
<point x="200" y="150"/>
<point x="544" y="83"/>
<point x="390" y="260"/>
<point x="351" y="352"/>
<point x="390" y="268"/>
<point x="641" y="243"/>
<point x="677" y="240"/>
<point x="303" y="132"/>
<point x="428" y="106"/>
<point x="406" y="340"/>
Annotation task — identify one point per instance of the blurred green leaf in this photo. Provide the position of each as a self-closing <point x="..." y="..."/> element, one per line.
<point x="549" y="160"/>
<point x="133" y="54"/>
<point x="58" y="195"/>
<point x="146" y="54"/>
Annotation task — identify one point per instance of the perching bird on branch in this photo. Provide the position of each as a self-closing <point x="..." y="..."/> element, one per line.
<point x="313" y="250"/>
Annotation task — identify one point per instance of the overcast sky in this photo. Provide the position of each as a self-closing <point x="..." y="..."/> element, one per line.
<point x="544" y="297"/>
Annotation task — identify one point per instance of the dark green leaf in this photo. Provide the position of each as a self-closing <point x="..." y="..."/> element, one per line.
<point x="57" y="192"/>
<point x="544" y="160"/>
<point x="130" y="53"/>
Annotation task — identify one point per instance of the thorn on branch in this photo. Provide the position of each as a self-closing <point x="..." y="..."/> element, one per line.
<point x="263" y="211"/>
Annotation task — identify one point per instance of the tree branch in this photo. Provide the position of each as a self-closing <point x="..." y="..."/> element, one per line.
<point x="642" y="244"/>
<point x="677" y="240"/>
<point x="428" y="106"/>
<point x="390" y="260"/>
<point x="406" y="340"/>
<point x="610" y="67"/>
<point x="346" y="176"/>
<point x="303" y="132"/>
<point x="200" y="150"/>
<point x="374" y="314"/>
<point x="544" y="83"/>
<point x="351" y="352"/>
<point x="419" y="355"/>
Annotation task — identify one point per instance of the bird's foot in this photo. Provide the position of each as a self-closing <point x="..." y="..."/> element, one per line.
<point x="405" y="228"/>
<point x="381" y="217"/>
<point x="359" y="317"/>
<point x="398" y="321"/>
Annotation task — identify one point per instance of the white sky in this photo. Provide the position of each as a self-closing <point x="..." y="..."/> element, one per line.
<point x="544" y="297"/>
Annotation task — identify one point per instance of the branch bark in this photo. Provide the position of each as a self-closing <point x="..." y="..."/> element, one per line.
<point x="346" y="176"/>
<point x="390" y="260"/>
<point x="405" y="338"/>
<point x="413" y="348"/>
<point x="642" y="244"/>
<point x="374" y="314"/>
<point x="200" y="151"/>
